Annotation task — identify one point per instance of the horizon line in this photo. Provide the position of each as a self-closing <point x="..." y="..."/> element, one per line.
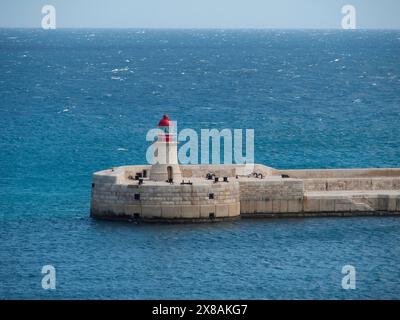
<point x="205" y="28"/>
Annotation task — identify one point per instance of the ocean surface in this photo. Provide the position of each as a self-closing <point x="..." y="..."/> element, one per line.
<point x="73" y="102"/>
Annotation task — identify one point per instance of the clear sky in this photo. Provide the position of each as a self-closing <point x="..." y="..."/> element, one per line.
<point x="201" y="13"/>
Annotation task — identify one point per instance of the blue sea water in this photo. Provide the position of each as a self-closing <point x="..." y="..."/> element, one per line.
<point x="73" y="102"/>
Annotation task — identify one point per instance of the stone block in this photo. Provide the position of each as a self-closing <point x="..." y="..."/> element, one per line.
<point x="276" y="206"/>
<point x="392" y="204"/>
<point x="336" y="185"/>
<point x="342" y="205"/>
<point x="221" y="210"/>
<point x="118" y="209"/>
<point x="234" y="209"/>
<point x="396" y="184"/>
<point x="103" y="179"/>
<point x="151" y="211"/>
<point x="190" y="212"/>
<point x="170" y="212"/>
<point x="311" y="205"/>
<point x="250" y="206"/>
<point x="284" y="206"/>
<point x="268" y="204"/>
<point x="327" y="205"/>
<point x="315" y="185"/>
<point x="372" y="201"/>
<point x="130" y="210"/>
<point x="383" y="203"/>
<point x="264" y="206"/>
<point x="352" y="184"/>
<point x="295" y="206"/>
<point x="365" y="184"/>
<point x="382" y="184"/>
<point x="205" y="210"/>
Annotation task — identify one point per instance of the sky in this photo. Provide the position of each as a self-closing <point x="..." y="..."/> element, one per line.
<point x="315" y="14"/>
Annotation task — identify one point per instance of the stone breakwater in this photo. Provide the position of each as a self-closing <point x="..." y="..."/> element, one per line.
<point x="265" y="192"/>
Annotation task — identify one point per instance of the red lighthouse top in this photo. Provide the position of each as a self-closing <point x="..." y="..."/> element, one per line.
<point x="165" y="122"/>
<point x="167" y="127"/>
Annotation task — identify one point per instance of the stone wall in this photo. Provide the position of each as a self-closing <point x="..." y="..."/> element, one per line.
<point x="340" y="173"/>
<point x="351" y="203"/>
<point x="306" y="193"/>
<point x="228" y="170"/>
<point x="339" y="184"/>
<point x="151" y="201"/>
<point x="271" y="196"/>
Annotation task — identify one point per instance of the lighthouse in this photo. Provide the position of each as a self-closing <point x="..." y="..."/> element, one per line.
<point x="166" y="167"/>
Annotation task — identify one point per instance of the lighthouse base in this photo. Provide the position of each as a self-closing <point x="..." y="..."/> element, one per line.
<point x="165" y="172"/>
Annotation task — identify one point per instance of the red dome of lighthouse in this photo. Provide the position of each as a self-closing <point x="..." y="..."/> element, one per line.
<point x="165" y="122"/>
<point x="167" y="126"/>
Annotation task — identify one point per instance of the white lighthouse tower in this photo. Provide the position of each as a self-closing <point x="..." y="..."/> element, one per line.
<point x="166" y="167"/>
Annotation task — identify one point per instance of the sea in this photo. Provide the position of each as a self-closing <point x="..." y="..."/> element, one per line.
<point x="76" y="101"/>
